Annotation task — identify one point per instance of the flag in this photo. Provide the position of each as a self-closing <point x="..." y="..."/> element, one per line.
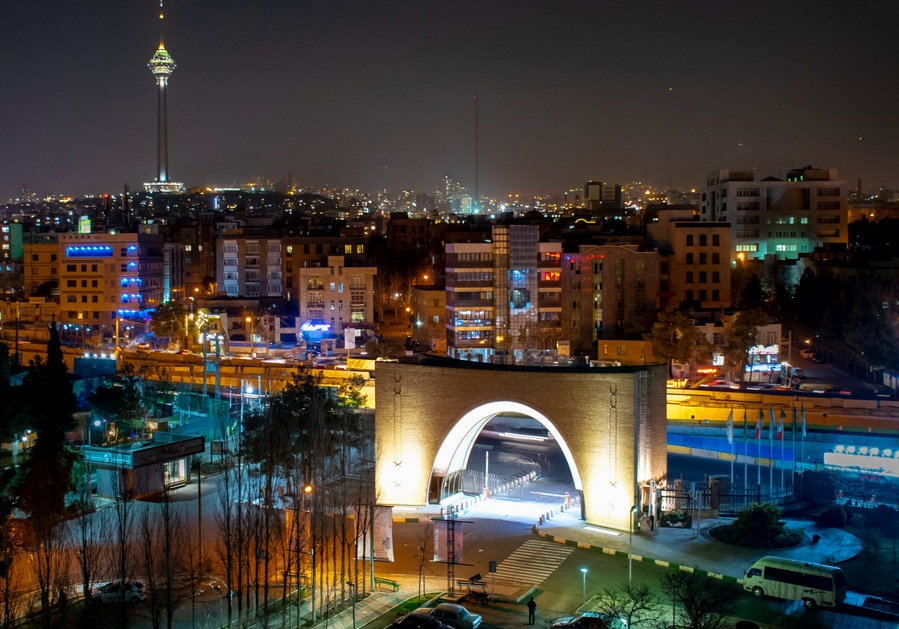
<point x="745" y="424"/>
<point x="803" y="420"/>
<point x="730" y="427"/>
<point x="772" y="424"/>
<point x="758" y="424"/>
<point x="793" y="427"/>
<point x="780" y="425"/>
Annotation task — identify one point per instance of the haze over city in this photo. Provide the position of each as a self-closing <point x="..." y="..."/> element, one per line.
<point x="380" y="95"/>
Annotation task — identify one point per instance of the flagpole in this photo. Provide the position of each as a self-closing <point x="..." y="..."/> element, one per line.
<point x="793" y="449"/>
<point x="758" y="449"/>
<point x="731" y="421"/>
<point x="745" y="454"/>
<point x="770" y="451"/>
<point x="780" y="429"/>
<point x="802" y="460"/>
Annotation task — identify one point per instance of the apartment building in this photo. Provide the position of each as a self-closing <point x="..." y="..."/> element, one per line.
<point x="696" y="257"/>
<point x="102" y="276"/>
<point x="503" y="296"/>
<point x="249" y="266"/>
<point x="335" y="297"/>
<point x="778" y="217"/>
<point x="606" y="290"/>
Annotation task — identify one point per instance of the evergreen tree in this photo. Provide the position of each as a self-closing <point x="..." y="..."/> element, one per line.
<point x="46" y="477"/>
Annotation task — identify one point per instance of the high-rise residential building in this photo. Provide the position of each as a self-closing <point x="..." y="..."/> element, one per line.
<point x="335" y="297"/>
<point x="503" y="296"/>
<point x="105" y="276"/>
<point x="249" y="266"/>
<point x="607" y="290"/>
<point x="696" y="256"/>
<point x="771" y="216"/>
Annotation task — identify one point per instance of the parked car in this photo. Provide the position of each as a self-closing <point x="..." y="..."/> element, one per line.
<point x="127" y="591"/>
<point x="453" y="615"/>
<point x="418" y="620"/>
<point x="590" y="620"/>
<point x="806" y="353"/>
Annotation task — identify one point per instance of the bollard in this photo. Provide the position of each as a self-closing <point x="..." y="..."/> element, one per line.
<point x="540" y="521"/>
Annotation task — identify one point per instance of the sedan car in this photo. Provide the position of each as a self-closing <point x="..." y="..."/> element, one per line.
<point x="590" y="620"/>
<point x="418" y="620"/>
<point x="127" y="591"/>
<point x="453" y="615"/>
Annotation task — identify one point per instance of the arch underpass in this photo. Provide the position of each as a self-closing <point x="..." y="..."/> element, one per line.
<point x="609" y="423"/>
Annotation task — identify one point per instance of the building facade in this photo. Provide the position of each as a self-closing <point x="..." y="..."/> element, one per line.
<point x="249" y="266"/>
<point x="503" y="298"/>
<point x="335" y="297"/>
<point x="105" y="276"/>
<point x="695" y="267"/>
<point x="778" y="217"/>
<point x="605" y="289"/>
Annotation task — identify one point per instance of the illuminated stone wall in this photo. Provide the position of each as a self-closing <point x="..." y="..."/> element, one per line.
<point x="610" y="423"/>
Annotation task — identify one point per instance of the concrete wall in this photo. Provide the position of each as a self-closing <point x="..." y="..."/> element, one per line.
<point x="609" y="422"/>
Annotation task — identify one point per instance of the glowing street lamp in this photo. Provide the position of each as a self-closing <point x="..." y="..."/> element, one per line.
<point x="584" y="580"/>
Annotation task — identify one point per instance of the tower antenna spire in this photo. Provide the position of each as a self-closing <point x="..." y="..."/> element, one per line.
<point x="161" y="22"/>
<point x="161" y="66"/>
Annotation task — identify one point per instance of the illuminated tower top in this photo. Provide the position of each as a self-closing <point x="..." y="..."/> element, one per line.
<point x="162" y="65"/>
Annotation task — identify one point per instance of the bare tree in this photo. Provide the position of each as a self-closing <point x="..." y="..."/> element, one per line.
<point x="89" y="533"/>
<point x="634" y="602"/>
<point x="424" y="551"/>
<point x="49" y="564"/>
<point x="120" y="557"/>
<point x="701" y="601"/>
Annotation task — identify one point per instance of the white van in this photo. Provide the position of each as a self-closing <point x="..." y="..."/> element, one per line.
<point x="813" y="584"/>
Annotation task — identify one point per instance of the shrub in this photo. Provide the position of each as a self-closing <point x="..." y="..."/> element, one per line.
<point x="758" y="526"/>
<point x="836" y="516"/>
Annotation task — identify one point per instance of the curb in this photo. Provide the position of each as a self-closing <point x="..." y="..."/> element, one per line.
<point x="670" y="565"/>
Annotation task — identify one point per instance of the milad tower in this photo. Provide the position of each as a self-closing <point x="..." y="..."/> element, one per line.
<point x="162" y="65"/>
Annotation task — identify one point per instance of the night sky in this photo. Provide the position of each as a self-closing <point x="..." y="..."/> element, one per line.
<point x="378" y="94"/>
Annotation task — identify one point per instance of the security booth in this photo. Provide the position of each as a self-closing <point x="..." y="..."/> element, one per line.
<point x="143" y="468"/>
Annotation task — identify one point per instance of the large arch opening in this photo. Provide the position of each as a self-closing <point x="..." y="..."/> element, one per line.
<point x="461" y="449"/>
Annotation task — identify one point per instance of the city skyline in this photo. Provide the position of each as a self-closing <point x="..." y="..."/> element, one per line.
<point x="381" y="96"/>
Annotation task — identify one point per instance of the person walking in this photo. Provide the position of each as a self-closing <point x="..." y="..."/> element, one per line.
<point x="532" y="611"/>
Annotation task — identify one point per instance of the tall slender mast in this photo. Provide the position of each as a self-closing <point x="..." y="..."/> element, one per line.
<point x="476" y="151"/>
<point x="162" y="65"/>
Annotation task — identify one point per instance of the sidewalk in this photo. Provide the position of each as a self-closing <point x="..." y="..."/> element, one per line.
<point x="372" y="607"/>
<point x="677" y="547"/>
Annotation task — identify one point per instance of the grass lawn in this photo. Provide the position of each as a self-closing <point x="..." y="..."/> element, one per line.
<point x="401" y="610"/>
<point x="876" y="570"/>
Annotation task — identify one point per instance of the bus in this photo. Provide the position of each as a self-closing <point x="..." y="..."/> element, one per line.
<point x="813" y="584"/>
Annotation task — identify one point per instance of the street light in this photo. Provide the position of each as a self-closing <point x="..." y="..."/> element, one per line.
<point x="630" y="541"/>
<point x="584" y="580"/>
<point x="252" y="342"/>
<point x="353" y="591"/>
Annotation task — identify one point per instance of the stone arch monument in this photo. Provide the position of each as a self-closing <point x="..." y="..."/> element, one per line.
<point x="609" y="422"/>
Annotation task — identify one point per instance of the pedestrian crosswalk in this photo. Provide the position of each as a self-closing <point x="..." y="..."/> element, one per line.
<point x="532" y="562"/>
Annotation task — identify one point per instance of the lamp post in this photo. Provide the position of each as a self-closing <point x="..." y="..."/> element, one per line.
<point x="584" y="581"/>
<point x="252" y="341"/>
<point x="630" y="541"/>
<point x="353" y="592"/>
